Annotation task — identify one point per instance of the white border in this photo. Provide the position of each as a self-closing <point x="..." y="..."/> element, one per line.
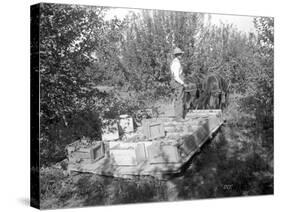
<point x="14" y="157"/>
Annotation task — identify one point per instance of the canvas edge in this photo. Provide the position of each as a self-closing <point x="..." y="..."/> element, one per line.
<point x="34" y="107"/>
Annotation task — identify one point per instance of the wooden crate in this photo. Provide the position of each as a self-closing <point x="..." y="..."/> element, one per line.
<point x="163" y="154"/>
<point x="97" y="152"/>
<point x="123" y="157"/>
<point x="110" y="130"/>
<point x="126" y="124"/>
<point x="152" y="130"/>
<point x="140" y="153"/>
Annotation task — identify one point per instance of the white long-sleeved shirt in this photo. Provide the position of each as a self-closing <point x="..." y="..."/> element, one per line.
<point x="176" y="70"/>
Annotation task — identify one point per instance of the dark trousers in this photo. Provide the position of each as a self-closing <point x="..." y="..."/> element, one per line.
<point x="179" y="99"/>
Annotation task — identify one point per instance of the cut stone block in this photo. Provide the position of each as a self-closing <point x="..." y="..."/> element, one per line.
<point x="110" y="130"/>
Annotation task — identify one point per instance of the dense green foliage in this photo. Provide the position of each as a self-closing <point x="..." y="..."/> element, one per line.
<point x="146" y="51"/>
<point x="71" y="105"/>
<point x="82" y="54"/>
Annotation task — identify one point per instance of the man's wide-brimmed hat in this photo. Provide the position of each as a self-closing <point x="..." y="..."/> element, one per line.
<point x="178" y="51"/>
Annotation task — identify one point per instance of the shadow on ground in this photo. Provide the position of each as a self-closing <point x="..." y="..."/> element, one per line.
<point x="234" y="163"/>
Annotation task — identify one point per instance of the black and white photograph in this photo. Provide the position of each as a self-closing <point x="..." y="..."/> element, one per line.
<point x="132" y="105"/>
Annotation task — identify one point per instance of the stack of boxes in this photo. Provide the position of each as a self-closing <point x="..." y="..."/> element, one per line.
<point x="161" y="143"/>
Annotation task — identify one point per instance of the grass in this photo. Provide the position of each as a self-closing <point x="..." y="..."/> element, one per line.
<point x="88" y="190"/>
<point x="237" y="162"/>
